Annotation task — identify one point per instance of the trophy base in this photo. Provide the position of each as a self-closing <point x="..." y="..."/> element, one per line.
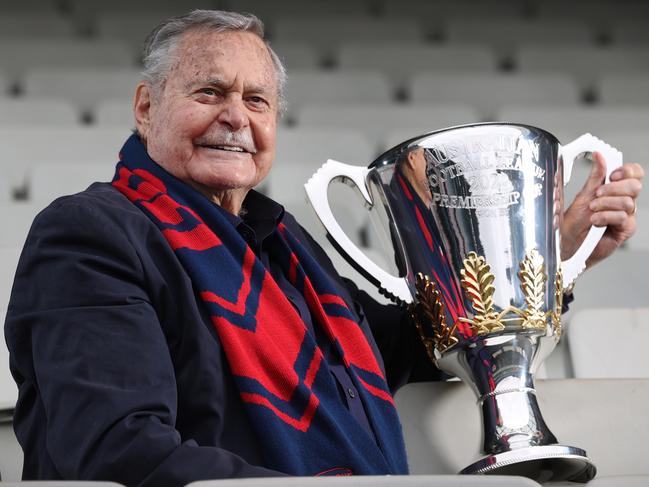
<point x="540" y="463"/>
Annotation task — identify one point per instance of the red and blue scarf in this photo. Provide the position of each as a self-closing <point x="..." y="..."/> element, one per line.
<point x="284" y="381"/>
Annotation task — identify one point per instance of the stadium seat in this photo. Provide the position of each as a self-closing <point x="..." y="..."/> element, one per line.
<point x="27" y="146"/>
<point x="607" y="418"/>
<point x="597" y="337"/>
<point x="327" y="33"/>
<point x="311" y="147"/>
<point x="623" y="89"/>
<point x="8" y="262"/>
<point x="47" y="182"/>
<point x="488" y="92"/>
<point x="415" y="57"/>
<point x="617" y="282"/>
<point x="269" y="11"/>
<point x="17" y="217"/>
<point x="568" y="123"/>
<point x="629" y="31"/>
<point x="585" y="63"/>
<point x="597" y="11"/>
<point x="375" y="481"/>
<point x="36" y="24"/>
<point x="376" y="121"/>
<point x="350" y="86"/>
<point x="5" y="85"/>
<point x="443" y="9"/>
<point x="297" y="55"/>
<point x="83" y="87"/>
<point x="116" y="112"/>
<point x="504" y="34"/>
<point x="135" y="26"/>
<point x="29" y="6"/>
<point x="54" y="111"/>
<point x="18" y="56"/>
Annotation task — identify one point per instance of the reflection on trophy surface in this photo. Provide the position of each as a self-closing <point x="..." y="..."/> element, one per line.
<point x="474" y="216"/>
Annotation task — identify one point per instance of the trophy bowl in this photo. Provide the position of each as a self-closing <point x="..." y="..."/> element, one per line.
<point x="473" y="215"/>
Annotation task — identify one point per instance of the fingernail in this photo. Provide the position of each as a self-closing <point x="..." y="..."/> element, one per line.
<point x="599" y="191"/>
<point x="592" y="205"/>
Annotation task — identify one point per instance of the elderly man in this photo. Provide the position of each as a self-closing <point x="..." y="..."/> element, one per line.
<point x="175" y="325"/>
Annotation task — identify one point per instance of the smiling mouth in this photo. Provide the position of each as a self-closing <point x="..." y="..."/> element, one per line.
<point x="228" y="148"/>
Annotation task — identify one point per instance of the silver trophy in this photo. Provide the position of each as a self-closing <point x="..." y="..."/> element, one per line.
<point x="473" y="214"/>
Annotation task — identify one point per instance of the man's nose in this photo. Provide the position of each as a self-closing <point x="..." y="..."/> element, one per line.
<point x="233" y="113"/>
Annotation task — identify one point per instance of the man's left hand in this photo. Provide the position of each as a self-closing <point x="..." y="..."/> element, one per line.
<point x="613" y="204"/>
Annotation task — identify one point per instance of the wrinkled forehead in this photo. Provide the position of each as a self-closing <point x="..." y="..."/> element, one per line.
<point x="208" y="54"/>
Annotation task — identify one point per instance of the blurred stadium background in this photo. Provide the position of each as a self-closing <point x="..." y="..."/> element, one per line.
<point x="363" y="76"/>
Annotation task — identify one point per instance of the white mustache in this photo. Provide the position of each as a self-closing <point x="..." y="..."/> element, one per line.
<point x="226" y="137"/>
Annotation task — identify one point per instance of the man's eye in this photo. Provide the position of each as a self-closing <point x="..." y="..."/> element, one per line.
<point x="209" y="91"/>
<point x="257" y="100"/>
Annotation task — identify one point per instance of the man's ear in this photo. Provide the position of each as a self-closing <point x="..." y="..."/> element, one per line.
<point x="412" y="159"/>
<point x="141" y="109"/>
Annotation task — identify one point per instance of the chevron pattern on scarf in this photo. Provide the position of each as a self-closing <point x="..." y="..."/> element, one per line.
<point x="278" y="367"/>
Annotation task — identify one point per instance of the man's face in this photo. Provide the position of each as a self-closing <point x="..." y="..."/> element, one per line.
<point x="213" y="123"/>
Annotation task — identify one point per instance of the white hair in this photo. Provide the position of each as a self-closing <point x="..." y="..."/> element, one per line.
<point x="158" y="55"/>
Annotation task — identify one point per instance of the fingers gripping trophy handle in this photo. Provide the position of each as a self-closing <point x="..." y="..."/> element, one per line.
<point x="575" y="265"/>
<point x="316" y="189"/>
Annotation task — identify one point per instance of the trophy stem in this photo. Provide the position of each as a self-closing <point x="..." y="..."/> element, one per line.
<point x="517" y="441"/>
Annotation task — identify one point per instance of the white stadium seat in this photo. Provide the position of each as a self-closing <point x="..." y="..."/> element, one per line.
<point x="442" y="9"/>
<point x="607" y="418"/>
<point x="25" y="147"/>
<point x="618" y="281"/>
<point x="18" y="56"/>
<point x="297" y="55"/>
<point x="133" y="27"/>
<point x="83" y="87"/>
<point x="630" y="31"/>
<point x="623" y="89"/>
<point x="17" y="217"/>
<point x="29" y="6"/>
<point x="116" y="112"/>
<point x="350" y="86"/>
<point x="36" y="24"/>
<point x="568" y="123"/>
<point x="488" y="92"/>
<point x="610" y="342"/>
<point x="47" y="182"/>
<point x="416" y="57"/>
<point x="505" y="33"/>
<point x="269" y="11"/>
<point x="585" y="63"/>
<point x="53" y="111"/>
<point x="8" y="263"/>
<point x="376" y="121"/>
<point x="309" y="147"/>
<point x="4" y="84"/>
<point x="329" y="32"/>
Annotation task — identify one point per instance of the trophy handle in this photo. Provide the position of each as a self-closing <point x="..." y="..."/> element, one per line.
<point x="575" y="265"/>
<point x="316" y="189"/>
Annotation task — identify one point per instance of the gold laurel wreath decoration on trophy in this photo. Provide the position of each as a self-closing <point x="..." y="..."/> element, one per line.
<point x="430" y="308"/>
<point x="477" y="281"/>
<point x="558" y="305"/>
<point x="532" y="277"/>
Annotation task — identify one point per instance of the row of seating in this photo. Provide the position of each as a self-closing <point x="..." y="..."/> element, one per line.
<point x="496" y="30"/>
<point x="398" y="56"/>
<point x="104" y="95"/>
